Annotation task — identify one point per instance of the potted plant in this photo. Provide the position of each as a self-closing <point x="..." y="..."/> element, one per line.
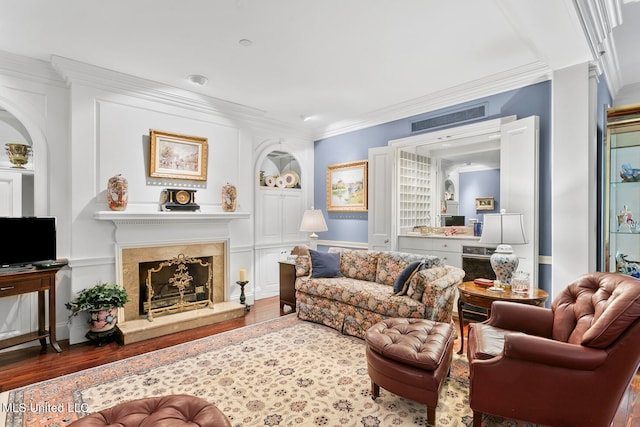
<point x="102" y="302"/>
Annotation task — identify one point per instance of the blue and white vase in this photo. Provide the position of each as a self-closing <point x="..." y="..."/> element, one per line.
<point x="504" y="262"/>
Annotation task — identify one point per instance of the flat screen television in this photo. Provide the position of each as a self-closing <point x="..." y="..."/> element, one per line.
<point x="27" y="240"/>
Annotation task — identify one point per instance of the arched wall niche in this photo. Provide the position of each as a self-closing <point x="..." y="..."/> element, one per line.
<point x="266" y="152"/>
<point x="23" y="118"/>
<point x="9" y="121"/>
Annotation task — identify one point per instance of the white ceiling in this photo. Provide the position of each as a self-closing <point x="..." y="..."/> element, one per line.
<point x="334" y="60"/>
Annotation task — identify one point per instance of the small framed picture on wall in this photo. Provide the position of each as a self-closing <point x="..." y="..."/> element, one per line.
<point x="484" y="203"/>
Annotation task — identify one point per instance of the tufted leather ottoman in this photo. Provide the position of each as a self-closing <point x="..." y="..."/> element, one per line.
<point x="175" y="410"/>
<point x="410" y="357"/>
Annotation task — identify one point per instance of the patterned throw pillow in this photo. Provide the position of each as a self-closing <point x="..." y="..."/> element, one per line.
<point x="391" y="264"/>
<point x="422" y="279"/>
<point x="303" y="266"/>
<point x="359" y="264"/>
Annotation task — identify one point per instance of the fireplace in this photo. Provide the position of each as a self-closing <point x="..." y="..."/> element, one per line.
<point x="179" y="284"/>
<point x="144" y="240"/>
<point x="164" y="265"/>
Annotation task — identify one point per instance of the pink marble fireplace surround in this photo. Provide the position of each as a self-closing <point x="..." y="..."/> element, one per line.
<point x="159" y="236"/>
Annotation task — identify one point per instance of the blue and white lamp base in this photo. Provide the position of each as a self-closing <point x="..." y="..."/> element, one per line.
<point x="504" y="262"/>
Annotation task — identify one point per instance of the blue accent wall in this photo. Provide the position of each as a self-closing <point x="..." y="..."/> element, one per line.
<point x="533" y="100"/>
<point x="478" y="184"/>
<point x="528" y="101"/>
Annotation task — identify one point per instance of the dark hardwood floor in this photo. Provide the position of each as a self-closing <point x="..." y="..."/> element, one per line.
<point x="27" y="366"/>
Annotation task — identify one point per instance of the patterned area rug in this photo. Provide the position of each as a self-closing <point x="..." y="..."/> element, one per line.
<point x="283" y="372"/>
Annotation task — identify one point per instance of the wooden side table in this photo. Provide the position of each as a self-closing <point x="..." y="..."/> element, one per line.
<point x="476" y="296"/>
<point x="287" y="285"/>
<point x="34" y="281"/>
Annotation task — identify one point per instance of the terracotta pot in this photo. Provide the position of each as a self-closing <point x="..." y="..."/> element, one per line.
<point x="104" y="319"/>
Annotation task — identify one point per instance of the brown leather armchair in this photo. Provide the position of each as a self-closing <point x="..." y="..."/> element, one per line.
<point x="569" y="365"/>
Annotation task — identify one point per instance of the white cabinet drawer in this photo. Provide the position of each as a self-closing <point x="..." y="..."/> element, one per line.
<point x="446" y="245"/>
<point x="417" y="245"/>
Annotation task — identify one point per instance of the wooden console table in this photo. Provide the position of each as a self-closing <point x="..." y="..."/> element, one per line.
<point x="476" y="296"/>
<point x="33" y="281"/>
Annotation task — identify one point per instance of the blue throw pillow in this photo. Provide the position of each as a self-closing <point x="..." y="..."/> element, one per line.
<point x="405" y="275"/>
<point x="325" y="264"/>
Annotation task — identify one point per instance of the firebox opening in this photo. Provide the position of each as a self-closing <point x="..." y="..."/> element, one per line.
<point x="178" y="284"/>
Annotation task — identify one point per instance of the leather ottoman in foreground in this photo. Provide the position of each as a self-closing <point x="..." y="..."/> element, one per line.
<point x="174" y="410"/>
<point x="410" y="358"/>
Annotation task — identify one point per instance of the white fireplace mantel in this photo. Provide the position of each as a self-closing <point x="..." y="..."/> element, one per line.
<point x="146" y="228"/>
<point x="124" y="217"/>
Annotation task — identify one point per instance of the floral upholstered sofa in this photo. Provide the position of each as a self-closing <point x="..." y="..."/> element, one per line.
<point x="362" y="292"/>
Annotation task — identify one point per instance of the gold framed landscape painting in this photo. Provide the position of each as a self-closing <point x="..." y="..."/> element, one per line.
<point x="177" y="156"/>
<point x="347" y="187"/>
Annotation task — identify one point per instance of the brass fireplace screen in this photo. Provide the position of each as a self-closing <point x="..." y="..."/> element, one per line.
<point x="179" y="292"/>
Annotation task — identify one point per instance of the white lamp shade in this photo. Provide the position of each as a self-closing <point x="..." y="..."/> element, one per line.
<point x="503" y="228"/>
<point x="313" y="221"/>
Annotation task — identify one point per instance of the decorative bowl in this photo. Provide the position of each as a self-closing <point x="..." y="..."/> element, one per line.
<point x="629" y="173"/>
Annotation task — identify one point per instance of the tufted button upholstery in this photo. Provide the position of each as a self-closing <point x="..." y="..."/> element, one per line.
<point x="410" y="358"/>
<point x="576" y="358"/>
<point x="595" y="309"/>
<point x="165" y="411"/>
<point x="416" y="342"/>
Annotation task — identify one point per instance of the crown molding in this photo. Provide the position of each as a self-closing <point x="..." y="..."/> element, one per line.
<point x="511" y="79"/>
<point x="34" y="69"/>
<point x="598" y="19"/>
<point x="609" y="66"/>
<point x="75" y="72"/>
<point x="79" y="73"/>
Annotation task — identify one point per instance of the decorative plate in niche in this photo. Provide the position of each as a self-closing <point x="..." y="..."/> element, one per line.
<point x="281" y="182"/>
<point x="291" y="178"/>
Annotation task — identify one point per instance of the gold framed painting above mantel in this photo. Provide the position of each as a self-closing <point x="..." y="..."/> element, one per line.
<point x="176" y="156"/>
<point x="347" y="187"/>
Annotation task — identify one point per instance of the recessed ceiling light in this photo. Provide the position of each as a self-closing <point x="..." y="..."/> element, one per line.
<point x="245" y="42"/>
<point x="305" y="118"/>
<point x="197" y="79"/>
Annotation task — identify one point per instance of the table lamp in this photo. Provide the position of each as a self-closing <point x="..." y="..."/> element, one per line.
<point x="313" y="221"/>
<point x="503" y="229"/>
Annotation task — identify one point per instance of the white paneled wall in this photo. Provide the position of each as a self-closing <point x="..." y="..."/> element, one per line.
<point x="88" y="124"/>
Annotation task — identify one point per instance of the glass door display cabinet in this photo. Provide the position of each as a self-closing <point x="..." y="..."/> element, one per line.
<point x="622" y="191"/>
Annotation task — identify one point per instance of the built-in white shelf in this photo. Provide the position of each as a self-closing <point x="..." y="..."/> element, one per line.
<point x="414" y="190"/>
